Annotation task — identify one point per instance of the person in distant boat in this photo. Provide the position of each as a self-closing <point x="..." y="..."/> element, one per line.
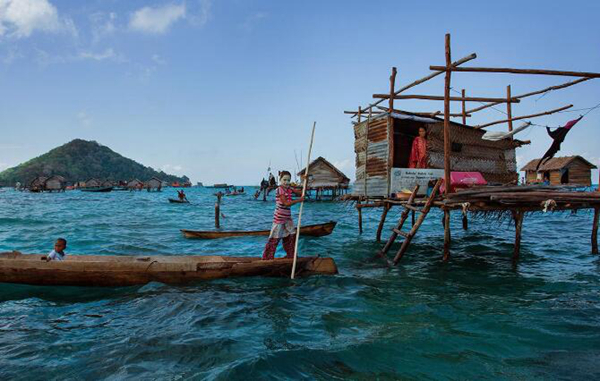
<point x="58" y="254"/>
<point x="181" y="195"/>
<point x="283" y="225"/>
<point x="272" y="182"/>
<point x="418" y="153"/>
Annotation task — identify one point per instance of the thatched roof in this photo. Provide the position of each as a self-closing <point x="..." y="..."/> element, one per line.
<point x="321" y="159"/>
<point x="556" y="163"/>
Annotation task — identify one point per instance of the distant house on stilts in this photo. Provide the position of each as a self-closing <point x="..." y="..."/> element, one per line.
<point x="154" y="184"/>
<point x="55" y="184"/>
<point x="325" y="180"/>
<point x="573" y="170"/>
<point x="37" y="184"/>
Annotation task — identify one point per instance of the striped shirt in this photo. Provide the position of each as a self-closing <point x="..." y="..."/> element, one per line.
<point x="282" y="212"/>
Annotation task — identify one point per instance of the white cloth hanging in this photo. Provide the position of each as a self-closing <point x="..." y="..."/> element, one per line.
<point x="498" y="135"/>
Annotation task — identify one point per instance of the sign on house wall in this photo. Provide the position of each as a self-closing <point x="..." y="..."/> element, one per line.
<point x="407" y="178"/>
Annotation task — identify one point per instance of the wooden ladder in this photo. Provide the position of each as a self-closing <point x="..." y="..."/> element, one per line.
<point x="396" y="231"/>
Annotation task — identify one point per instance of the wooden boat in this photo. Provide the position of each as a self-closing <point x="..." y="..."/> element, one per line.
<point x="235" y="194"/>
<point x="116" y="271"/>
<point x="318" y="230"/>
<point x="176" y="201"/>
<point x="97" y="189"/>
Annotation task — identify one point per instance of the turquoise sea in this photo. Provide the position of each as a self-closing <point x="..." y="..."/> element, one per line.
<point x="476" y="317"/>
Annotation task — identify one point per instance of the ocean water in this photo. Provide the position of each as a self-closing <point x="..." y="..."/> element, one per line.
<point x="475" y="317"/>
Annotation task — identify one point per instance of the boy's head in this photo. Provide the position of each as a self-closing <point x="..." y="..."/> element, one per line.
<point x="60" y="245"/>
<point x="422" y="132"/>
<point x="285" y="178"/>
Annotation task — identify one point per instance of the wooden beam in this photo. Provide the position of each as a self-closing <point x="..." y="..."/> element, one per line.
<point x="519" y="71"/>
<point x="509" y="109"/>
<point x="595" y="231"/>
<point x="551" y="88"/>
<point x="392" y="84"/>
<point x="421" y="113"/>
<point x="386" y="209"/>
<point x="525" y="117"/>
<point x="426" y="78"/>
<point x="447" y="144"/>
<point x="464" y="107"/>
<point x="440" y="98"/>
<point x="359" y="112"/>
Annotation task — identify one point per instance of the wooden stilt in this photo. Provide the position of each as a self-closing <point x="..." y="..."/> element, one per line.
<point x="412" y="217"/>
<point x="358" y="207"/>
<point x="595" y="231"/>
<point x="446" y="235"/>
<point x="218" y="211"/>
<point x="518" y="217"/>
<point x="386" y="209"/>
<point x="465" y="222"/>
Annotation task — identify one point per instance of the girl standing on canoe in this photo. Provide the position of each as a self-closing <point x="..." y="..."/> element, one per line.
<point x="283" y="225"/>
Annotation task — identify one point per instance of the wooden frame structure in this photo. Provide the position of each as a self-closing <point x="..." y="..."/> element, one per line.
<point x="515" y="201"/>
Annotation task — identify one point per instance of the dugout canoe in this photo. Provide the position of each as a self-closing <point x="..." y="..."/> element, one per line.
<point x="318" y="230"/>
<point x="175" y="201"/>
<point x="118" y="271"/>
<point x="97" y="189"/>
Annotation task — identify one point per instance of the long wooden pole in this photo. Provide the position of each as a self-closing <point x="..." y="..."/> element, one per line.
<point x="447" y="144"/>
<point x="464" y="107"/>
<point x="425" y="79"/>
<point x="443" y="98"/>
<point x="524" y="117"/>
<point x="519" y="71"/>
<point x="551" y="88"/>
<point x="509" y="109"/>
<point x="392" y="91"/>
<point x="304" y="186"/>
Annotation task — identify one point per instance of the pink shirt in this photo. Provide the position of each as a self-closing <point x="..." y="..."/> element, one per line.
<point x="283" y="213"/>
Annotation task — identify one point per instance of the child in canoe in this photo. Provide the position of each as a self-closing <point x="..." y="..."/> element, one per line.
<point x="283" y="225"/>
<point x="58" y="254"/>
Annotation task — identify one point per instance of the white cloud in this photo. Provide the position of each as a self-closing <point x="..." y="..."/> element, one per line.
<point x="158" y="59"/>
<point x="107" y="54"/>
<point x="156" y="20"/>
<point x="84" y="119"/>
<point x="103" y="24"/>
<point x="20" y="18"/>
<point x="201" y="17"/>
<point x="171" y="168"/>
<point x="253" y="20"/>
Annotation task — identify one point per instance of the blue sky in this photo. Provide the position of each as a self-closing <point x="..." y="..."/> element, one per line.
<point x="217" y="90"/>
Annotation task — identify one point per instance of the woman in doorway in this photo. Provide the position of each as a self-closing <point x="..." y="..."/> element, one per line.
<point x="418" y="152"/>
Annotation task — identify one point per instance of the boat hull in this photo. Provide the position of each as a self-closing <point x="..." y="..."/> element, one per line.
<point x="175" y="201"/>
<point x="318" y="230"/>
<point x="118" y="271"/>
<point x="101" y="190"/>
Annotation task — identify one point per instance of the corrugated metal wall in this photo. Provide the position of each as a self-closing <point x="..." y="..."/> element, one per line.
<point x="372" y="154"/>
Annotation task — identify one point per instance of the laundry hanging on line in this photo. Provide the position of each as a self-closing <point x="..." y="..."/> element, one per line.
<point x="494" y="136"/>
<point x="558" y="136"/>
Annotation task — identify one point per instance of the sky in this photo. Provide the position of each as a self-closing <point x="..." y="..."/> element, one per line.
<point x="219" y="90"/>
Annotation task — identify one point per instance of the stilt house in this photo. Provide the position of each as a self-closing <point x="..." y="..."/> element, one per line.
<point x="55" y="183"/>
<point x="93" y="183"/>
<point x="37" y="184"/>
<point x="324" y="179"/>
<point x="154" y="184"/>
<point x="573" y="170"/>
<point x="383" y="145"/>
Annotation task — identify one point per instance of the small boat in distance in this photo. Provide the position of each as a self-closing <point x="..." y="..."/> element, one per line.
<point x="176" y="201"/>
<point x="127" y="270"/>
<point x="318" y="230"/>
<point x="97" y="189"/>
<point x="220" y="186"/>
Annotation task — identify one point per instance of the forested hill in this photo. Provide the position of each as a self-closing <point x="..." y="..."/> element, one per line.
<point x="80" y="160"/>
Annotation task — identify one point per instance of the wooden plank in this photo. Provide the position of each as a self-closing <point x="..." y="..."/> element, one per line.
<point x="551" y="88"/>
<point x="524" y="117"/>
<point x="519" y="71"/>
<point x="509" y="110"/>
<point x="441" y="98"/>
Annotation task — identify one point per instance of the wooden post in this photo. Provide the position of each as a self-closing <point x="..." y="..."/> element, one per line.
<point x="218" y="210"/>
<point x="447" y="144"/>
<point x="392" y="85"/>
<point x="595" y="231"/>
<point x="518" y="216"/>
<point x="509" y="109"/>
<point x="359" y="208"/>
<point x="465" y="222"/>
<point x="464" y="108"/>
<point x="359" y="113"/>
<point x="446" y="256"/>
<point x="386" y="208"/>
<point x="412" y="218"/>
